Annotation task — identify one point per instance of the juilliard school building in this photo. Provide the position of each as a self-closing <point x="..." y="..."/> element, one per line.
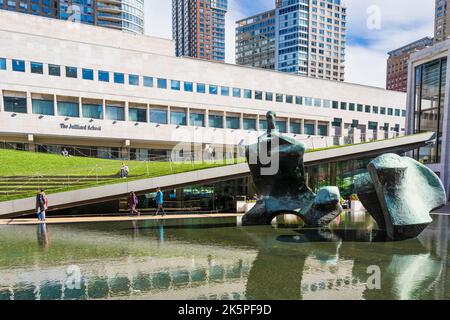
<point x="107" y="93"/>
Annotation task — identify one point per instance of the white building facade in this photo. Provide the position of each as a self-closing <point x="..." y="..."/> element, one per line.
<point x="115" y="93"/>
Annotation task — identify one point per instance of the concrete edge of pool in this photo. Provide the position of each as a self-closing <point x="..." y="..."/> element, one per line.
<point x="64" y="220"/>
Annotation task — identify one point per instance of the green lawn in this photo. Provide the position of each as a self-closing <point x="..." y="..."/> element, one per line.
<point x="22" y="173"/>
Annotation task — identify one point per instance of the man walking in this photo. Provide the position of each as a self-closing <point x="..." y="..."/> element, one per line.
<point x="159" y="199"/>
<point x="41" y="205"/>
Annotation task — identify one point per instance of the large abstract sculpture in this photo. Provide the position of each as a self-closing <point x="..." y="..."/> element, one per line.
<point x="276" y="165"/>
<point x="400" y="193"/>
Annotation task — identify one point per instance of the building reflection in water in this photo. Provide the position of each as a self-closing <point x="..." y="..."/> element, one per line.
<point x="247" y="263"/>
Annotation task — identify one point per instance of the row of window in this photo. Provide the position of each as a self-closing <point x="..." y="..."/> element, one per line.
<point x="201" y="88"/>
<point x="155" y="115"/>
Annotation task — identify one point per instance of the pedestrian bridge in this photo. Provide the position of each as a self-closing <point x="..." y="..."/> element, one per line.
<point x="100" y="194"/>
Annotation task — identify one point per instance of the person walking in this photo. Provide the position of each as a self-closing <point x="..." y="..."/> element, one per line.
<point x="133" y="201"/>
<point x="159" y="199"/>
<point x="41" y="204"/>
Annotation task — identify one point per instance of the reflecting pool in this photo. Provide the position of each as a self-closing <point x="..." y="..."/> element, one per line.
<point x="218" y="259"/>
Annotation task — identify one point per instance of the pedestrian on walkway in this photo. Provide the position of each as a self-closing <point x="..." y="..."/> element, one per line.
<point x="133" y="202"/>
<point x="159" y="199"/>
<point x="41" y="204"/>
<point x="124" y="171"/>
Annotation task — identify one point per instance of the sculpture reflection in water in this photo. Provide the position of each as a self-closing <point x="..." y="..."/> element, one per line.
<point x="335" y="264"/>
<point x="389" y="190"/>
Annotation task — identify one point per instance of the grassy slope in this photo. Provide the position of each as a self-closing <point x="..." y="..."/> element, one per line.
<point x="29" y="164"/>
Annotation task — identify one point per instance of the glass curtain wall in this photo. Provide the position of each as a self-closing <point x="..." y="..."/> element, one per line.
<point x="430" y="80"/>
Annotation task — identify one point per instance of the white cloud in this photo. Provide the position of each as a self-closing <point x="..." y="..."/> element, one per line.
<point x="402" y="22"/>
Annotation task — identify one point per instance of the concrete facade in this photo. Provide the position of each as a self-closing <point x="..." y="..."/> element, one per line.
<point x="319" y="112"/>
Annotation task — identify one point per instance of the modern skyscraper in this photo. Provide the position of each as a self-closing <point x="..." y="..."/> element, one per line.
<point x="309" y="38"/>
<point x="199" y="28"/>
<point x="397" y="64"/>
<point x="255" y="41"/>
<point x="441" y="21"/>
<point x="127" y="15"/>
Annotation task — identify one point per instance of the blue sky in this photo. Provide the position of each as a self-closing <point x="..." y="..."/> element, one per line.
<point x="374" y="28"/>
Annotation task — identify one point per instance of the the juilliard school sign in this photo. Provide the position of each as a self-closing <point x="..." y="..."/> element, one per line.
<point x="80" y="127"/>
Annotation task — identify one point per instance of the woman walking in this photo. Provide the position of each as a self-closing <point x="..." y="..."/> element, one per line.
<point x="133" y="201"/>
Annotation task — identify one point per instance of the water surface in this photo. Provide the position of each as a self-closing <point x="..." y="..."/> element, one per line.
<point x="218" y="259"/>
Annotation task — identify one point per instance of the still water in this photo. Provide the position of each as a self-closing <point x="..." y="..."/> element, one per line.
<point x="218" y="259"/>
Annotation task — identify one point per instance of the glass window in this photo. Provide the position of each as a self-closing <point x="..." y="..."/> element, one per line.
<point x="175" y="85"/>
<point x="148" y="81"/>
<point x="225" y="91"/>
<point x="68" y="109"/>
<point x="92" y="111"/>
<point x="13" y="104"/>
<point x="351" y="107"/>
<point x="258" y="95"/>
<point x="390" y="112"/>
<point x="188" y="86"/>
<point x="197" y="119"/>
<point x="236" y="92"/>
<point x="262" y="125"/>
<point x="372" y="125"/>
<point x="295" y="127"/>
<point x="368" y="108"/>
<point x="298" y="100"/>
<point x="119" y="78"/>
<point x="137" y="115"/>
<point x="103" y="76"/>
<point x="133" y="79"/>
<point x="178" y="118"/>
<point x="403" y="113"/>
<point x="360" y="107"/>
<point x="215" y="121"/>
<point x="335" y="105"/>
<point x="213" y="89"/>
<point x="88" y="74"/>
<point x="18" y="65"/>
<point x="158" y="116"/>
<point x="2" y="64"/>
<point x="115" y="113"/>
<point x="322" y="130"/>
<point x="382" y="110"/>
<point x="161" y="83"/>
<point x="309" y="129"/>
<point x="233" y="123"/>
<point x="279" y="97"/>
<point x="375" y="109"/>
<point x="326" y="103"/>
<point x="71" y="72"/>
<point x="289" y="99"/>
<point x="201" y="88"/>
<point x="37" y="67"/>
<point x="54" y="70"/>
<point x="247" y="94"/>
<point x="249" y="124"/>
<point x="317" y="102"/>
<point x="269" y="96"/>
<point x="343" y="105"/>
<point x="397" y="112"/>
<point x="308" y="101"/>
<point x="44" y="107"/>
<point x="281" y="126"/>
